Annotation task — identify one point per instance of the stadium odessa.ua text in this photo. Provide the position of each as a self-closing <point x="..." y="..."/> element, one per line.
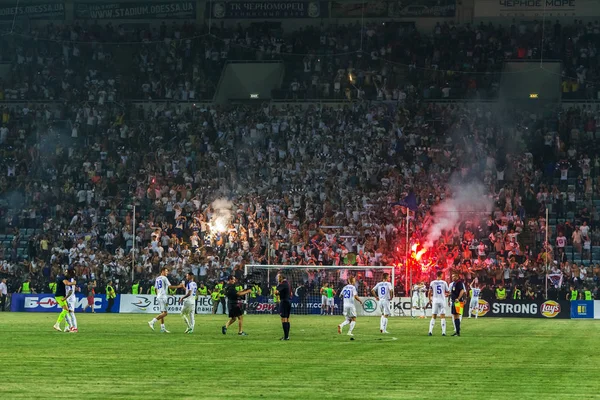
<point x="136" y="11"/>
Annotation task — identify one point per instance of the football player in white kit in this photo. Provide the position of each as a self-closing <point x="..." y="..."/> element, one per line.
<point x="474" y="304"/>
<point x="418" y="298"/>
<point x="162" y="286"/>
<point x="384" y="293"/>
<point x="71" y="324"/>
<point x="349" y="294"/>
<point x="188" y="311"/>
<point x="438" y="291"/>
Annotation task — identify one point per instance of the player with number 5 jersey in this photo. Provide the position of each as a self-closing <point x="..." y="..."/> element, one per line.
<point x="438" y="291"/>
<point x="384" y="293"/>
<point x="349" y="294"/>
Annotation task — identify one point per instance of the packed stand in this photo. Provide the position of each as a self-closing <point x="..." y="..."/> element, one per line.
<point x="205" y="178"/>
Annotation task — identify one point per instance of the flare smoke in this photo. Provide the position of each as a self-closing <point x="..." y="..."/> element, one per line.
<point x="222" y="214"/>
<point x="467" y="201"/>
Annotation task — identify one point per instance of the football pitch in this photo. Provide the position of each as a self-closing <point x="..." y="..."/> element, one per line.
<point x="118" y="357"/>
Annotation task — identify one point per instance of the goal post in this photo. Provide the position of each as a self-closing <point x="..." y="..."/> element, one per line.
<point x="306" y="282"/>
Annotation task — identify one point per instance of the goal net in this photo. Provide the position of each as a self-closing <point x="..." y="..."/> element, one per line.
<point x="309" y="284"/>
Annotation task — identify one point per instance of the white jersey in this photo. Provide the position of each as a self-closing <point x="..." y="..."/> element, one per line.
<point x="162" y="287"/>
<point x="72" y="299"/>
<point x="439" y="289"/>
<point x="348" y="293"/>
<point x="383" y="290"/>
<point x="476" y="293"/>
<point x="191" y="287"/>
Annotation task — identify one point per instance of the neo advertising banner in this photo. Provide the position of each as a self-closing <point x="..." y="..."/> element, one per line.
<point x="582" y="309"/>
<point x="535" y="8"/>
<point x="50" y="10"/>
<point x="267" y="9"/>
<point x="148" y="304"/>
<point x="125" y="10"/>
<point x="524" y="309"/>
<point x="47" y="303"/>
<point x="204" y="305"/>
<point x="597" y="309"/>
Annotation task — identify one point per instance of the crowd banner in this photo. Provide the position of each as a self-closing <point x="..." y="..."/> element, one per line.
<point x="597" y="309"/>
<point x="582" y="309"/>
<point x="47" y="303"/>
<point x="523" y="309"/>
<point x="421" y="8"/>
<point x="535" y="8"/>
<point x="138" y="10"/>
<point x="359" y="9"/>
<point x="148" y="304"/>
<point x="267" y="9"/>
<point x="50" y="10"/>
<point x="393" y="9"/>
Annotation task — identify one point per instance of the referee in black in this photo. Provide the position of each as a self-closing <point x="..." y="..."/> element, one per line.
<point x="458" y="296"/>
<point x="284" y="292"/>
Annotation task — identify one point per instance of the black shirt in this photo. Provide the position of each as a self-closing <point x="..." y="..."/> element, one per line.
<point x="284" y="291"/>
<point x="231" y="294"/>
<point x="61" y="289"/>
<point x="456" y="289"/>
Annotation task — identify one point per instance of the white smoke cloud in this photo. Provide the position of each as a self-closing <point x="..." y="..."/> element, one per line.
<point x="222" y="215"/>
<point x="467" y="201"/>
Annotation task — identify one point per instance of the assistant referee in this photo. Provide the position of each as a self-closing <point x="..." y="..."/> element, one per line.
<point x="284" y="292"/>
<point x="457" y="295"/>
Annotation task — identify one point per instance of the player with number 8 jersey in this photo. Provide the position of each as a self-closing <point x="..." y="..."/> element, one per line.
<point x="384" y="292"/>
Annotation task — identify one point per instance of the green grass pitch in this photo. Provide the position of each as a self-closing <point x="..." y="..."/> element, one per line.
<point x="119" y="357"/>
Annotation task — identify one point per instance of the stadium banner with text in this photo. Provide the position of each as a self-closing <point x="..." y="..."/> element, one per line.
<point x="128" y="10"/>
<point x="597" y="309"/>
<point x="204" y="305"/>
<point x="267" y="9"/>
<point x="582" y="309"/>
<point x="421" y="8"/>
<point x="535" y="8"/>
<point x="46" y="303"/>
<point x="306" y="305"/>
<point x="524" y="309"/>
<point x="148" y="304"/>
<point x="359" y="9"/>
<point x="50" y="10"/>
<point x="393" y="9"/>
<point x="402" y="307"/>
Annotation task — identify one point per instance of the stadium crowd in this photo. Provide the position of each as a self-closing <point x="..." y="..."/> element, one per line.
<point x="376" y="61"/>
<point x="219" y="187"/>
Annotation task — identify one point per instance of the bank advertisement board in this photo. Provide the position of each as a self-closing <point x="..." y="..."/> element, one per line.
<point x="267" y="9"/>
<point x="47" y="303"/>
<point x="582" y="309"/>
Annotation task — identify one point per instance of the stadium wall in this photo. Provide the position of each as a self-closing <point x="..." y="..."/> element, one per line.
<point x="296" y="13"/>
